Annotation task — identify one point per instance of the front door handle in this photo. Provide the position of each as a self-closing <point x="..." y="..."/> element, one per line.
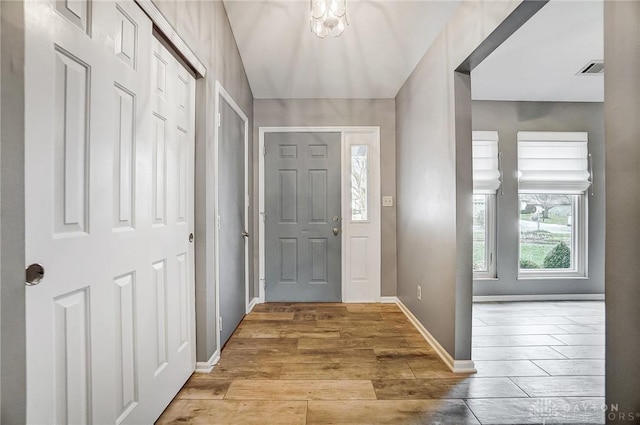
<point x="336" y="231"/>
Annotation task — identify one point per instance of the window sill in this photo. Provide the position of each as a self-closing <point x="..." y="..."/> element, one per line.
<point x="552" y="277"/>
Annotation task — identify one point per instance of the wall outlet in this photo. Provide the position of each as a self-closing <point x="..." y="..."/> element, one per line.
<point x="387" y="201"/>
<point x="419" y="293"/>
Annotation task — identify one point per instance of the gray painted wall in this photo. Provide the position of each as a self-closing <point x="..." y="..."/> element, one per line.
<point x="622" y="264"/>
<point x="205" y="28"/>
<point x="508" y="118"/>
<point x="433" y="234"/>
<point x="12" y="289"/>
<point x="1" y="250"/>
<point x="340" y="112"/>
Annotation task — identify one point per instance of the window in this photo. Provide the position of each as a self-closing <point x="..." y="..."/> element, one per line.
<point x="548" y="231"/>
<point x="554" y="176"/>
<point x="484" y="235"/>
<point x="359" y="183"/>
<point x="486" y="181"/>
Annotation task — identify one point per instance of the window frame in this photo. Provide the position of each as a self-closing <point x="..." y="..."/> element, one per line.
<point x="579" y="243"/>
<point x="490" y="238"/>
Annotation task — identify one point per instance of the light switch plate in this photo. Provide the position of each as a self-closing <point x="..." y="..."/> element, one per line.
<point x="387" y="201"/>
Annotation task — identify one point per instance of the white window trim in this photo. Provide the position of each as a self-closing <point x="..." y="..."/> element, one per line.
<point x="491" y="207"/>
<point x="579" y="251"/>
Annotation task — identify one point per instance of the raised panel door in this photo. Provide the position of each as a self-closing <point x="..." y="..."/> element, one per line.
<point x="302" y="206"/>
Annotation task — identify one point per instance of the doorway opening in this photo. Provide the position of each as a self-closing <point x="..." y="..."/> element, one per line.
<point x="538" y="209"/>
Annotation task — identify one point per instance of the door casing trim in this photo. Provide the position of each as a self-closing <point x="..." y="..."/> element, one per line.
<point x="221" y="93"/>
<point x="374" y="130"/>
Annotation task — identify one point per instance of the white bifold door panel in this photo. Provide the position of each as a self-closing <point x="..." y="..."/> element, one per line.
<point x="109" y="189"/>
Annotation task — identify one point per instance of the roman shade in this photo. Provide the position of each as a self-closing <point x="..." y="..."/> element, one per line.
<point x="486" y="171"/>
<point x="553" y="162"/>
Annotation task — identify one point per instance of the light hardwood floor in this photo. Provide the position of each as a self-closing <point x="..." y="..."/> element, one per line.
<point x="348" y="364"/>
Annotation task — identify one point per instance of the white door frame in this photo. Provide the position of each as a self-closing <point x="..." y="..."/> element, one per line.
<point x="374" y="204"/>
<point x="221" y="93"/>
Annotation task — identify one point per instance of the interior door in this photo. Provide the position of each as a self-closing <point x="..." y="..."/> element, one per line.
<point x="109" y="328"/>
<point x="232" y="212"/>
<point x="170" y="314"/>
<point x="303" y="217"/>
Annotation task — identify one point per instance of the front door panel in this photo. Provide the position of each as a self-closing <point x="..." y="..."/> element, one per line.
<point x="303" y="217"/>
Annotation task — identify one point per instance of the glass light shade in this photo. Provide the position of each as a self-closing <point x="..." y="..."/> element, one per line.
<point x="328" y="17"/>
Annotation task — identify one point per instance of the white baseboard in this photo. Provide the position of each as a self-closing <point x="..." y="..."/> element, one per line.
<point x="207" y="367"/>
<point x="456" y="366"/>
<point x="252" y="304"/>
<point x="389" y="300"/>
<point x="464" y="366"/>
<point x="547" y="297"/>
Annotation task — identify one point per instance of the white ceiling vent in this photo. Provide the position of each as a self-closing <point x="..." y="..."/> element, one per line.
<point x="593" y="67"/>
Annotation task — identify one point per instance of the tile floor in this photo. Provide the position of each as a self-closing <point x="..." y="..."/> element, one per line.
<point x="366" y="364"/>
<point x="552" y="351"/>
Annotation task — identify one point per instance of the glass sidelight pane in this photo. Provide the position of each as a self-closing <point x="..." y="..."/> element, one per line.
<point x="359" y="182"/>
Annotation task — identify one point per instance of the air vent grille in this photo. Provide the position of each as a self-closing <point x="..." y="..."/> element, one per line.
<point x="593" y="67"/>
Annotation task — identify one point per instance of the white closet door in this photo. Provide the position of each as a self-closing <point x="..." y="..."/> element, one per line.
<point x="172" y="326"/>
<point x="91" y="354"/>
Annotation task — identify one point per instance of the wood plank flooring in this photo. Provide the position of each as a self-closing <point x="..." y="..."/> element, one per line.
<point x="360" y="364"/>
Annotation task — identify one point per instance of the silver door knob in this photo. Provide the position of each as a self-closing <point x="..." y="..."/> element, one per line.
<point x="245" y="234"/>
<point x="336" y="231"/>
<point x="34" y="274"/>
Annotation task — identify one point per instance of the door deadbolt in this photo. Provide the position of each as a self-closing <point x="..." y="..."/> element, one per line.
<point x="190" y="237"/>
<point x="34" y="274"/>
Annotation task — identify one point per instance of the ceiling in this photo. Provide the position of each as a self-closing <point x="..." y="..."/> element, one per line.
<point x="372" y="58"/>
<point x="540" y="61"/>
<point x="386" y="39"/>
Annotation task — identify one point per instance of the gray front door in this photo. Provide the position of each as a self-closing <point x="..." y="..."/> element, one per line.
<point x="232" y="220"/>
<point x="302" y="206"/>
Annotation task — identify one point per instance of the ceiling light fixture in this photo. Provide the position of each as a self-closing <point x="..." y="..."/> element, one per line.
<point x="328" y="17"/>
